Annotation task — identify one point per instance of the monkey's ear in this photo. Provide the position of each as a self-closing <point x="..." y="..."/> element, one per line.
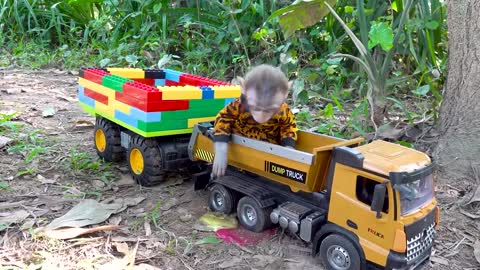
<point x="290" y="84"/>
<point x="242" y="84"/>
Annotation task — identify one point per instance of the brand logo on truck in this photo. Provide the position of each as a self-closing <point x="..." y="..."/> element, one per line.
<point x="376" y="233"/>
<point x="286" y="172"/>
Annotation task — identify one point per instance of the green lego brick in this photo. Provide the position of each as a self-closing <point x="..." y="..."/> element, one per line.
<point x="197" y="109"/>
<point x="136" y="130"/>
<point x="114" y="82"/>
<point x="207" y="103"/>
<point x="162" y="125"/>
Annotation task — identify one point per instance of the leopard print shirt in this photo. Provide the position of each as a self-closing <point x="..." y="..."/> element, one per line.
<point x="236" y="119"/>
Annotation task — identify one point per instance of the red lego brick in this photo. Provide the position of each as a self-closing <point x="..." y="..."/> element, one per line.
<point x="142" y="91"/>
<point x="195" y="80"/>
<point x="94" y="75"/>
<point x="172" y="83"/>
<point x="153" y="106"/>
<point x="150" y="82"/>
<point x="96" y="96"/>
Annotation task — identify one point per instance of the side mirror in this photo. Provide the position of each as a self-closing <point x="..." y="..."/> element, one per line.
<point x="378" y="198"/>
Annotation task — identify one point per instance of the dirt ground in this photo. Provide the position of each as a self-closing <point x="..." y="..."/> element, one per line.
<point x="51" y="165"/>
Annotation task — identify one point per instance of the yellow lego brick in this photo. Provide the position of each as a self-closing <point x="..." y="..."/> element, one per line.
<point x="180" y="92"/>
<point x="121" y="106"/>
<point x="193" y="121"/>
<point x="129" y="73"/>
<point x="110" y="93"/>
<point x="136" y="130"/>
<point x="106" y="109"/>
<point x="226" y="91"/>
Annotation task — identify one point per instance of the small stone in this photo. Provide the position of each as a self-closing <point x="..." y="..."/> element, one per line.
<point x="186" y="218"/>
<point x="98" y="183"/>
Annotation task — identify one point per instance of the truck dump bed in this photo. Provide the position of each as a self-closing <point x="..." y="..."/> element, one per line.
<point x="152" y="102"/>
<point x="304" y="168"/>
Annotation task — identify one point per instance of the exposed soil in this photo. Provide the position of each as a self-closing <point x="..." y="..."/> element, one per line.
<point x="47" y="172"/>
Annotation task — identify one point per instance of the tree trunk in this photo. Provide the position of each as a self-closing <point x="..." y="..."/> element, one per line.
<point x="458" y="149"/>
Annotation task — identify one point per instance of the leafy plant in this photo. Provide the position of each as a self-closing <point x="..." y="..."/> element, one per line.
<point x="6" y="187"/>
<point x="30" y="146"/>
<point x="83" y="161"/>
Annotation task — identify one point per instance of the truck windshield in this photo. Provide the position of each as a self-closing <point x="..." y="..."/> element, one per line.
<point x="414" y="195"/>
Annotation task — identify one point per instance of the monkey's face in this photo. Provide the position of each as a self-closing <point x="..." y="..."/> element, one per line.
<point x="263" y="108"/>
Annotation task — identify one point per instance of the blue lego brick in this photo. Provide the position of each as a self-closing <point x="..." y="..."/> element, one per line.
<point x="159" y="82"/>
<point x="228" y="100"/>
<point x="145" y="116"/>
<point x="84" y="99"/>
<point x="207" y="92"/>
<point x="126" y="118"/>
<point x="172" y="75"/>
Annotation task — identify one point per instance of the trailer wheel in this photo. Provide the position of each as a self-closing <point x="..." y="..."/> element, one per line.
<point x="145" y="161"/>
<point x="221" y="199"/>
<point x="252" y="216"/>
<point x="107" y="140"/>
<point x="338" y="253"/>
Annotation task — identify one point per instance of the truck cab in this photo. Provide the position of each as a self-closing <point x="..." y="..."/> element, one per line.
<point x="358" y="205"/>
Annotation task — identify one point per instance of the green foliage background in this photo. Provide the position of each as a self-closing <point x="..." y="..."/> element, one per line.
<point x="221" y="39"/>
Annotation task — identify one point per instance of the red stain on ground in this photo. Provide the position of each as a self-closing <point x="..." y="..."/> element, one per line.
<point x="244" y="237"/>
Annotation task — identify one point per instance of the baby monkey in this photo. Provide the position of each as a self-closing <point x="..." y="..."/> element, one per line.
<point x="260" y="113"/>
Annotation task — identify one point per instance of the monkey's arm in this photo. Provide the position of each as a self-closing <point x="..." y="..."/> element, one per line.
<point x="222" y="131"/>
<point x="288" y="128"/>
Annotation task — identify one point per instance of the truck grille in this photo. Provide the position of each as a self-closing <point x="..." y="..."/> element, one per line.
<point x="418" y="244"/>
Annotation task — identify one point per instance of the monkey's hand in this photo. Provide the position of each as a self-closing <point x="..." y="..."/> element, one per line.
<point x="220" y="160"/>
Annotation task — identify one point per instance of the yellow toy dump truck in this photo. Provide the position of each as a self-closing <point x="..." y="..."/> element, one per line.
<point x="359" y="206"/>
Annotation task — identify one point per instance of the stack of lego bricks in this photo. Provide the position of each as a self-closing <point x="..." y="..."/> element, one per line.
<point x="153" y="102"/>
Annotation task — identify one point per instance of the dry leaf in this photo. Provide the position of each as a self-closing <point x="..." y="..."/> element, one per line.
<point x="74" y="232"/>
<point x="439" y="260"/>
<point x="235" y="261"/>
<point x="148" y="229"/>
<point x="115" y="264"/>
<point x="128" y="239"/>
<point x="84" y="123"/>
<point x="64" y="97"/>
<point x="122" y="248"/>
<point x="12" y="217"/>
<point x="475" y="197"/>
<point x="45" y="181"/>
<point x="4" y="141"/>
<point x="48" y="112"/>
<point x="85" y="213"/>
<point x="115" y="220"/>
<point x="125" y="180"/>
<point x="389" y="132"/>
<point x="468" y="214"/>
<point x="144" y="266"/>
<point x="476" y="250"/>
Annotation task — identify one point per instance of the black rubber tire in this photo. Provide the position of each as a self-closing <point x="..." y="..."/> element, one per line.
<point x="113" y="150"/>
<point x="152" y="173"/>
<point x="336" y="244"/>
<point x="252" y="216"/>
<point x="221" y="199"/>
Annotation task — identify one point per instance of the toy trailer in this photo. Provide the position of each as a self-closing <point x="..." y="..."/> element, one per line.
<point x="149" y="114"/>
<point x="358" y="205"/>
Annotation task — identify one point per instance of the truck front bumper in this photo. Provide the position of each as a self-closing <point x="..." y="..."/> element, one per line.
<point x="398" y="261"/>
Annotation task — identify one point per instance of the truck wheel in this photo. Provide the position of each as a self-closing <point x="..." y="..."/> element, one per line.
<point x="145" y="161"/>
<point x="338" y="253"/>
<point x="107" y="140"/>
<point x="252" y="216"/>
<point x="221" y="199"/>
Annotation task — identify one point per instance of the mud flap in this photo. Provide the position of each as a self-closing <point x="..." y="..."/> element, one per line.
<point x="201" y="180"/>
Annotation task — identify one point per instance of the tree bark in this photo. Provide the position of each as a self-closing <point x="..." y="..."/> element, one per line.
<point x="458" y="150"/>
